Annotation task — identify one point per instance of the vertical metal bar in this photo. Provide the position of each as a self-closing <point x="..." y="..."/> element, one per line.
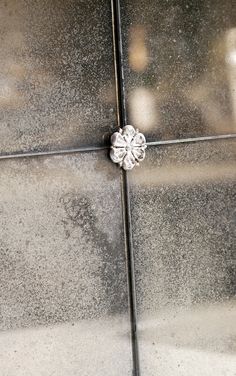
<point x="122" y="120"/>
<point x="131" y="273"/>
<point x="118" y="58"/>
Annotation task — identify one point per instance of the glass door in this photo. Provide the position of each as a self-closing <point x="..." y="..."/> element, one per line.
<point x="105" y="271"/>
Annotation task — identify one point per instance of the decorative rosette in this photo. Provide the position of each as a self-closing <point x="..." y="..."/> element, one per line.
<point x="128" y="147"/>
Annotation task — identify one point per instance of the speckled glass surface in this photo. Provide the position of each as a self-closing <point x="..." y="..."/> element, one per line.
<point x="56" y="74"/>
<point x="63" y="283"/>
<point x="183" y="218"/>
<point x="180" y="67"/>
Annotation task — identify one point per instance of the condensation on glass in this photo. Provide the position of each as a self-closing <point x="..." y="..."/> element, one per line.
<point x="180" y="67"/>
<point x="63" y="284"/>
<point x="183" y="219"/>
<point x="56" y="74"/>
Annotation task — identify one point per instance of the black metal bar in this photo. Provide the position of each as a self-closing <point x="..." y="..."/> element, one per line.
<point x="97" y="148"/>
<point x="131" y="272"/>
<point x="122" y="120"/>
<point x="118" y="57"/>
<point x="192" y="139"/>
<point x="52" y="152"/>
<point x="116" y="70"/>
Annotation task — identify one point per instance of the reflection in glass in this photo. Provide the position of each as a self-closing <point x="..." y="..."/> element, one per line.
<point x="177" y="52"/>
<point x="231" y="66"/>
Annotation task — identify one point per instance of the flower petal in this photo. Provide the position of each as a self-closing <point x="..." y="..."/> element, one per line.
<point x="139" y="153"/>
<point x="118" y="140"/>
<point x="117" y="154"/>
<point x="139" y="140"/>
<point x="129" y="161"/>
<point x="128" y="133"/>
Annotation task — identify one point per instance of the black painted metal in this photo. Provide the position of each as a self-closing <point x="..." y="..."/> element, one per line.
<point x="121" y="109"/>
<point x="53" y="152"/>
<point x="97" y="148"/>
<point x="118" y="57"/>
<point x="193" y="139"/>
<point x="131" y="272"/>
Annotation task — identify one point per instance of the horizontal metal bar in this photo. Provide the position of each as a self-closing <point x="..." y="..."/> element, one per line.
<point x="97" y="148"/>
<point x="53" y="152"/>
<point x="193" y="139"/>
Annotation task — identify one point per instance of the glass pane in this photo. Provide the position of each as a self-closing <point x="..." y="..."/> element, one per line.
<point x="63" y="288"/>
<point x="183" y="216"/>
<point x="56" y="74"/>
<point x="180" y="67"/>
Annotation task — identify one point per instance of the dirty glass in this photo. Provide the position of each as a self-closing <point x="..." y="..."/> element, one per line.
<point x="56" y="74"/>
<point x="180" y="66"/>
<point x="63" y="283"/>
<point x="183" y="219"/>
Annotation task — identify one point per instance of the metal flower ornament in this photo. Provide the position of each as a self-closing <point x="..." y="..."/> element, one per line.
<point x="128" y="147"/>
